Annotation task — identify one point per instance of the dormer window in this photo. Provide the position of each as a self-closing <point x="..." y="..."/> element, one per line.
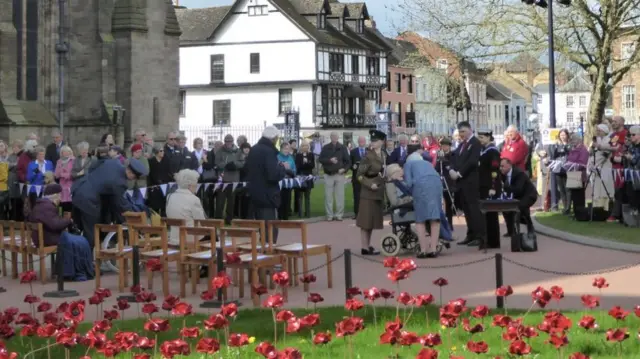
<point x="360" y="26"/>
<point x="258" y="10"/>
<point x="322" y="20"/>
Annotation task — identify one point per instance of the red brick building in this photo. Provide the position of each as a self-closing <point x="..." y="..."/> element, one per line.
<point x="399" y="95"/>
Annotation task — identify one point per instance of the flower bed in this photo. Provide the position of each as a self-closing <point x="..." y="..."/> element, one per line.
<point x="374" y="323"/>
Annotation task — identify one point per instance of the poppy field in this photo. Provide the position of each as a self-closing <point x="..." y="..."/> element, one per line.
<point x="373" y="323"/>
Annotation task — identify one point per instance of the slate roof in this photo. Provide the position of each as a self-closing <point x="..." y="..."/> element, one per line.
<point x="494" y="94"/>
<point x="305" y="7"/>
<point x="522" y="61"/>
<point x="577" y="84"/>
<point x="401" y="51"/>
<point x="338" y="9"/>
<point x="505" y="91"/>
<point x="199" y="24"/>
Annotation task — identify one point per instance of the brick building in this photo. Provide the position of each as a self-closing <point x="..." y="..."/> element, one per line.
<point x="399" y="94"/>
<point x="625" y="98"/>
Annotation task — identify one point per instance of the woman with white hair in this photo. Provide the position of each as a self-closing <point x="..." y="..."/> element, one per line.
<point x="602" y="190"/>
<point x="63" y="175"/>
<point x="82" y="163"/>
<point x="183" y="203"/>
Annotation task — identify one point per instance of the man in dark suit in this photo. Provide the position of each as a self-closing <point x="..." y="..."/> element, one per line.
<point x="357" y="154"/>
<point x="399" y="154"/>
<point x="52" y="153"/>
<point x="464" y="171"/>
<point x="518" y="185"/>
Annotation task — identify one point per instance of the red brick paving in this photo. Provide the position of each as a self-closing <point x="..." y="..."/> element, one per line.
<point x="474" y="282"/>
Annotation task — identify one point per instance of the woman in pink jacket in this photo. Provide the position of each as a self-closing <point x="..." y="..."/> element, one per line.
<point x="63" y="175"/>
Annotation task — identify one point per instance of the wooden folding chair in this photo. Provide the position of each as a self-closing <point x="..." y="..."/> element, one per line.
<point x="140" y="219"/>
<point x="254" y="261"/>
<point x="164" y="254"/>
<point x="260" y="226"/>
<point x="231" y="244"/>
<point x="12" y="243"/>
<point x="173" y="222"/>
<point x="41" y="251"/>
<point x="193" y="255"/>
<point x="302" y="250"/>
<point x="121" y="253"/>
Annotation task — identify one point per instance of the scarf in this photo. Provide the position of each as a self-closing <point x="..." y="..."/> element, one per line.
<point x="65" y="160"/>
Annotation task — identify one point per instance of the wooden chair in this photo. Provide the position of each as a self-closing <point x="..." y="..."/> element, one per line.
<point x="231" y="244"/>
<point x="193" y="255"/>
<point x="260" y="226"/>
<point x="254" y="261"/>
<point x="140" y="219"/>
<point x="12" y="243"/>
<point x="164" y="254"/>
<point x="121" y="253"/>
<point x="173" y="222"/>
<point x="302" y="250"/>
<point x="41" y="251"/>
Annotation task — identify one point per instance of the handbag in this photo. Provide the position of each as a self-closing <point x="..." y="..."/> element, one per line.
<point x="521" y="242"/>
<point x="574" y="180"/>
<point x="209" y="175"/>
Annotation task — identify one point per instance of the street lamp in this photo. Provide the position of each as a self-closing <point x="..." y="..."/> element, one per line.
<point x="552" y="72"/>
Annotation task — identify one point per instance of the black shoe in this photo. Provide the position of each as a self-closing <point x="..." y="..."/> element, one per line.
<point x="507" y="235"/>
<point x="369" y="252"/>
<point x="466" y="241"/>
<point x="423" y="255"/>
<point x="432" y="255"/>
<point x="474" y="243"/>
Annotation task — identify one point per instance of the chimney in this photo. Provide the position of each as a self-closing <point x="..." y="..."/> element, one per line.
<point x="370" y="23"/>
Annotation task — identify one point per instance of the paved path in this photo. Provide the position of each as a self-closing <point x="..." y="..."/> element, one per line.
<point x="475" y="282"/>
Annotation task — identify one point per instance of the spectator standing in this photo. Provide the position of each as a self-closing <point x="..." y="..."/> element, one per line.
<point x="335" y="162"/>
<point x="141" y="138"/>
<point x="616" y="149"/>
<point x="285" y="193"/>
<point x="83" y="162"/>
<point x="63" y="172"/>
<point x="52" y="153"/>
<point x="107" y="140"/>
<point x="293" y="147"/>
<point x="305" y="164"/>
<point x="445" y="158"/>
<point x="229" y="162"/>
<point x="399" y="155"/>
<point x="137" y="152"/>
<point x="242" y="195"/>
<point x="15" y="194"/>
<point x="172" y="154"/>
<point x="4" y="181"/>
<point x="357" y="155"/>
<point x="159" y="174"/>
<point x="264" y="173"/>
<point x="515" y="149"/>
<point x="577" y="160"/>
<point x="25" y="158"/>
<point x="604" y="188"/>
<point x="316" y="149"/>
<point x="558" y="153"/>
<point x="37" y="168"/>
<point x="242" y="139"/>
<point x="199" y="155"/>
<point x="389" y="147"/>
<point x="633" y="160"/>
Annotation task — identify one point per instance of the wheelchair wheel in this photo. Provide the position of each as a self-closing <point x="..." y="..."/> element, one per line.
<point x="110" y="241"/>
<point x="409" y="240"/>
<point x="390" y="245"/>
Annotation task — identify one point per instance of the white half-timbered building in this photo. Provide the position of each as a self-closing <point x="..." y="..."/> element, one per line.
<point x="249" y="63"/>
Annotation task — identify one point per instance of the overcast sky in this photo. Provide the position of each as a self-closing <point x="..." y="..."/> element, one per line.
<point x="377" y="9"/>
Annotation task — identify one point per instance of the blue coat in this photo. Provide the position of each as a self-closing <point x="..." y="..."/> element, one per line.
<point x="290" y="160"/>
<point x="35" y="176"/>
<point x="264" y="174"/>
<point x="108" y="178"/>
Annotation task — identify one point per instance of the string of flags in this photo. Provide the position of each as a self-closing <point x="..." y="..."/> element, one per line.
<point x="627" y="174"/>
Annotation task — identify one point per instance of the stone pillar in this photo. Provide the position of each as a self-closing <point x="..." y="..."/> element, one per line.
<point x="8" y="51"/>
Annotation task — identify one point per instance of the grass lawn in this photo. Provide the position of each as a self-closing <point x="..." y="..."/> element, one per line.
<point x="258" y="323"/>
<point x="599" y="230"/>
<point x="317" y="200"/>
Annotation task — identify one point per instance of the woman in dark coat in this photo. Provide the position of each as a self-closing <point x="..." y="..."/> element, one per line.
<point x="371" y="176"/>
<point x="490" y="186"/>
<point x="159" y="174"/>
<point x="305" y="165"/>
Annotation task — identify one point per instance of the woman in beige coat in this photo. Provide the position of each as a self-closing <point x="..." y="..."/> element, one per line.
<point x="183" y="203"/>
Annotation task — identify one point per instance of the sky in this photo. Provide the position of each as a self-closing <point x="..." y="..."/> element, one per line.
<point x="383" y="16"/>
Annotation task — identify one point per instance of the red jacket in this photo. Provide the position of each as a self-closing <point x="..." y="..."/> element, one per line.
<point x="431" y="146"/>
<point x="617" y="145"/>
<point x="516" y="151"/>
<point x="21" y="167"/>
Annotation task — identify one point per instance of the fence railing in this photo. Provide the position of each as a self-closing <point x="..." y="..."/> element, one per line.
<point x="210" y="135"/>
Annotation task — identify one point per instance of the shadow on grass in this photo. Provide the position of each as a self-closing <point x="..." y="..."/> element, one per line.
<point x="599" y="230"/>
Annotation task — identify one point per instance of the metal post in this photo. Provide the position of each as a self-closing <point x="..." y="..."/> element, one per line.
<point x="552" y="74"/>
<point x="348" y="280"/>
<point x="219" y="302"/>
<point x="61" y="49"/>
<point x="499" y="280"/>
<point x="135" y="273"/>
<point x="582" y="126"/>
<point x="61" y="292"/>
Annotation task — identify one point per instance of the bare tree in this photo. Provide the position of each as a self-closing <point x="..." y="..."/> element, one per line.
<point x="587" y="33"/>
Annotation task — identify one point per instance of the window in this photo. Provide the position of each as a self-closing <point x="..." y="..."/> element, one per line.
<point x="410" y="107"/>
<point x="397" y="108"/>
<point x="628" y="97"/>
<point x="389" y="105"/>
<point x="255" y="63"/>
<point x="388" y="81"/>
<point x="582" y="101"/>
<point x="360" y="26"/>
<point x="355" y="66"/>
<point x="569" y="101"/>
<point x="258" y="10"/>
<point x="539" y="100"/>
<point x="183" y="103"/>
<point x="336" y="63"/>
<point x="322" y="20"/>
<point x="398" y="83"/>
<point x="627" y="50"/>
<point x="443" y="64"/>
<point x="410" y="84"/>
<point x="221" y="112"/>
<point x="373" y="66"/>
<point x="335" y="101"/>
<point x="285" y="97"/>
<point x="569" y="117"/>
<point x="217" y="68"/>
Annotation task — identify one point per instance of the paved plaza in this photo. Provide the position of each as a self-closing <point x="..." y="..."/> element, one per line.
<point x="475" y="282"/>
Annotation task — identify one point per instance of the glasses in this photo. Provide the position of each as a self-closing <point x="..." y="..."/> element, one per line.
<point x="160" y="150"/>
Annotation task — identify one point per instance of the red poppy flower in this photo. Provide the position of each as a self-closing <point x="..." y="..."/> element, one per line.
<point x="309" y="278"/>
<point x="600" y="282"/>
<point x="557" y="293"/>
<point x="349" y="326"/>
<point x="6" y="331"/>
<point x="587" y="322"/>
<point x="182" y="309"/>
<point x="139" y="356"/>
<point x="169" y="302"/>
<point x="259" y="290"/>
<point x="454" y="307"/>
<point x="135" y="289"/>
<point x="190" y="332"/>
<point x="31" y="299"/>
<point x="405" y="298"/>
<point x="408" y="338"/>
<point x="390" y="262"/>
<point x="67" y="338"/>
<point x="25" y="319"/>
<point x="430" y="340"/>
<point x="310" y="320"/>
<point x="230" y="310"/>
<point x="448" y="320"/>
<point x="157" y="325"/>
<point x="322" y="338"/>
<point x="110" y="349"/>
<point x="541" y="296"/>
<point x="208" y="346"/>
<point x="618" y="313"/>
<point x="111" y="314"/>
<point x="145" y="343"/>
<point x="504" y="291"/>
<point x="315" y="298"/>
<point x="126" y="340"/>
<point x="44" y="307"/>
<point x="154" y="265"/>
<point x="215" y="322"/>
<point x="273" y="301"/>
<point x="28" y="277"/>
<point x="406" y="265"/>
<point x="353" y="304"/>
<point x="232" y="258"/>
<point x="267" y="350"/>
<point x="149" y="308"/>
<point x="221" y="280"/>
<point x="29" y="330"/>
<point x="422" y="300"/>
<point x="387" y="294"/>
<point x="95" y="300"/>
<point x="101" y="326"/>
<point x="51" y="317"/>
<point x="391" y="337"/>
<point x="353" y="291"/>
<point x="441" y="282"/>
<point x="207" y="295"/>
<point x="171" y="348"/>
<point x="557" y="321"/>
<point x="103" y="292"/>
<point x="75" y="311"/>
<point x="372" y="294"/>
<point x="501" y="321"/>
<point x="636" y="310"/>
<point x="293" y="325"/>
<point x="518" y="347"/>
<point x="477" y="347"/>
<point x="94" y="340"/>
<point x="238" y="340"/>
<point x="578" y="356"/>
<point x="480" y="311"/>
<point x="290" y="353"/>
<point x="284" y="315"/>
<point x="558" y="340"/>
<point x="123" y="304"/>
<point x="281" y="278"/>
<point x="466" y="325"/>
<point x="617" y="335"/>
<point x="590" y="301"/>
<point x="47" y="331"/>
<point x="145" y="297"/>
<point x="427" y="353"/>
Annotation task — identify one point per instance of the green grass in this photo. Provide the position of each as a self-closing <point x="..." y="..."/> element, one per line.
<point x="317" y="200"/>
<point x="599" y="230"/>
<point x="258" y="323"/>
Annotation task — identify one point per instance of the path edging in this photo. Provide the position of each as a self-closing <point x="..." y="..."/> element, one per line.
<point x="583" y="240"/>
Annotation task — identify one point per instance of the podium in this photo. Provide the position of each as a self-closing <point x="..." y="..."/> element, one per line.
<point x="505" y="206"/>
